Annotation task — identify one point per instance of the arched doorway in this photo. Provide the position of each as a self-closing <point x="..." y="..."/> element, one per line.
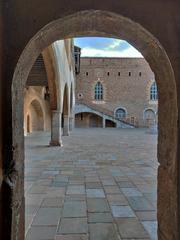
<point x="95" y="120"/>
<point x="110" y="124"/>
<point x="102" y="23"/>
<point x="149" y="117"/>
<point x="37" y="116"/>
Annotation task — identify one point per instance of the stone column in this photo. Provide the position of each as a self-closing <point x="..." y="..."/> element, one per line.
<point x="71" y="123"/>
<point x="56" y="129"/>
<point x="104" y="122"/>
<point x="66" y="125"/>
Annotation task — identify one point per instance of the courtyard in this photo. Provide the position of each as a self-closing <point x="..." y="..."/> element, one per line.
<point x="101" y="185"/>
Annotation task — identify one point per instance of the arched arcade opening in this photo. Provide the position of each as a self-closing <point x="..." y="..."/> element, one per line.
<point x="101" y="23"/>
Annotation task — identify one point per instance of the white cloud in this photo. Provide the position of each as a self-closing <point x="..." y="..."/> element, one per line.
<point x="114" y="44"/>
<point x="92" y="52"/>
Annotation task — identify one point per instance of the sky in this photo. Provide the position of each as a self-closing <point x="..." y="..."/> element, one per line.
<point x="105" y="47"/>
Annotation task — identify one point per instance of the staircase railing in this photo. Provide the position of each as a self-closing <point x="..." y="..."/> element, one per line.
<point x="128" y="120"/>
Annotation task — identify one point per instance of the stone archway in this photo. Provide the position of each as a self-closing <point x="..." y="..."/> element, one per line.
<point x="149" y="117"/>
<point x="103" y="23"/>
<point x="51" y="71"/>
<point x="36" y="115"/>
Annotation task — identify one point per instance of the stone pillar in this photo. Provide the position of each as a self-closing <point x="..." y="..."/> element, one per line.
<point x="56" y="129"/>
<point x="104" y="122"/>
<point x="71" y="123"/>
<point x="66" y="125"/>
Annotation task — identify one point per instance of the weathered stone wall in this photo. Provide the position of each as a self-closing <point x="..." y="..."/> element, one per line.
<point x="64" y="70"/>
<point x="126" y="84"/>
<point x="39" y="113"/>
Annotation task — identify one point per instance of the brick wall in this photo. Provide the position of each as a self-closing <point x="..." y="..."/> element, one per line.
<point x="126" y="83"/>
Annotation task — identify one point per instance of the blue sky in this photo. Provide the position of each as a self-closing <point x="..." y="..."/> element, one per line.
<point x="105" y="47"/>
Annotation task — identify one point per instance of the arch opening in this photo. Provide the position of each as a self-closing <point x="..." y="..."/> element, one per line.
<point x="101" y="23"/>
<point x="35" y="117"/>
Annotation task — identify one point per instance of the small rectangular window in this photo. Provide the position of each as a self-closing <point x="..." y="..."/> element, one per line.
<point x="129" y="74"/>
<point x="108" y="73"/>
<point x="87" y="73"/>
<point x="119" y="74"/>
<point x="140" y="74"/>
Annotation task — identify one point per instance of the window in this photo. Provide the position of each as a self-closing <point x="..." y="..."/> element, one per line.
<point x="98" y="91"/>
<point x="119" y="74"/>
<point x="108" y="73"/>
<point x="120" y="113"/>
<point x="140" y="74"/>
<point x="86" y="73"/>
<point x="153" y="92"/>
<point x="129" y="74"/>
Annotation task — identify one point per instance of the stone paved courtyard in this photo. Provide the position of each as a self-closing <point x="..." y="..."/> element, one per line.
<point x="101" y="185"/>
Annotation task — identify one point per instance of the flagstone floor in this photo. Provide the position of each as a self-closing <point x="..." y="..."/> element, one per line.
<point x="101" y="185"/>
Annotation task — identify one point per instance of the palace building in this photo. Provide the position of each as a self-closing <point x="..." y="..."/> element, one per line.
<point x="122" y="91"/>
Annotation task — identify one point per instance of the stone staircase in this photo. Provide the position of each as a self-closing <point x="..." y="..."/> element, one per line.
<point x="107" y="115"/>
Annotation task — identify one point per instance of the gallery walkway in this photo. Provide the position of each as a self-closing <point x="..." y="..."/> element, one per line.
<point x="101" y="185"/>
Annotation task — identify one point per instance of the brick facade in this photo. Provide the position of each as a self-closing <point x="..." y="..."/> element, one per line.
<point x="126" y="84"/>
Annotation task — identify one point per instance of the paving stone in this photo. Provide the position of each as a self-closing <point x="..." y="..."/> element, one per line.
<point x="37" y="189"/>
<point x="55" y="192"/>
<point x="74" y="209"/>
<point x="122" y="211"/>
<point x="131" y="228"/>
<point x="151" y="227"/>
<point x="61" y="179"/>
<point x="72" y="237"/>
<point x="125" y="184"/>
<point x="140" y="204"/>
<point x="111" y="189"/>
<point x="92" y="179"/>
<point x="130" y="192"/>
<point x="121" y="178"/>
<point x="34" y="199"/>
<point x="59" y="184"/>
<point x="75" y="197"/>
<point x="146" y="215"/>
<point x="108" y="182"/>
<point x="41" y="233"/>
<point x="31" y="209"/>
<point x="117" y="199"/>
<point x="95" y="193"/>
<point x="93" y="185"/>
<point x="97" y="205"/>
<point x="103" y="231"/>
<point x="76" y="182"/>
<point x="73" y="189"/>
<point x="105" y="217"/>
<point x="47" y="216"/>
<point x="73" y="225"/>
<point x="52" y="202"/>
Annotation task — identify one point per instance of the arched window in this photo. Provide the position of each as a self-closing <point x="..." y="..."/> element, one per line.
<point x="98" y="91"/>
<point x="153" y="92"/>
<point x="120" y="113"/>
